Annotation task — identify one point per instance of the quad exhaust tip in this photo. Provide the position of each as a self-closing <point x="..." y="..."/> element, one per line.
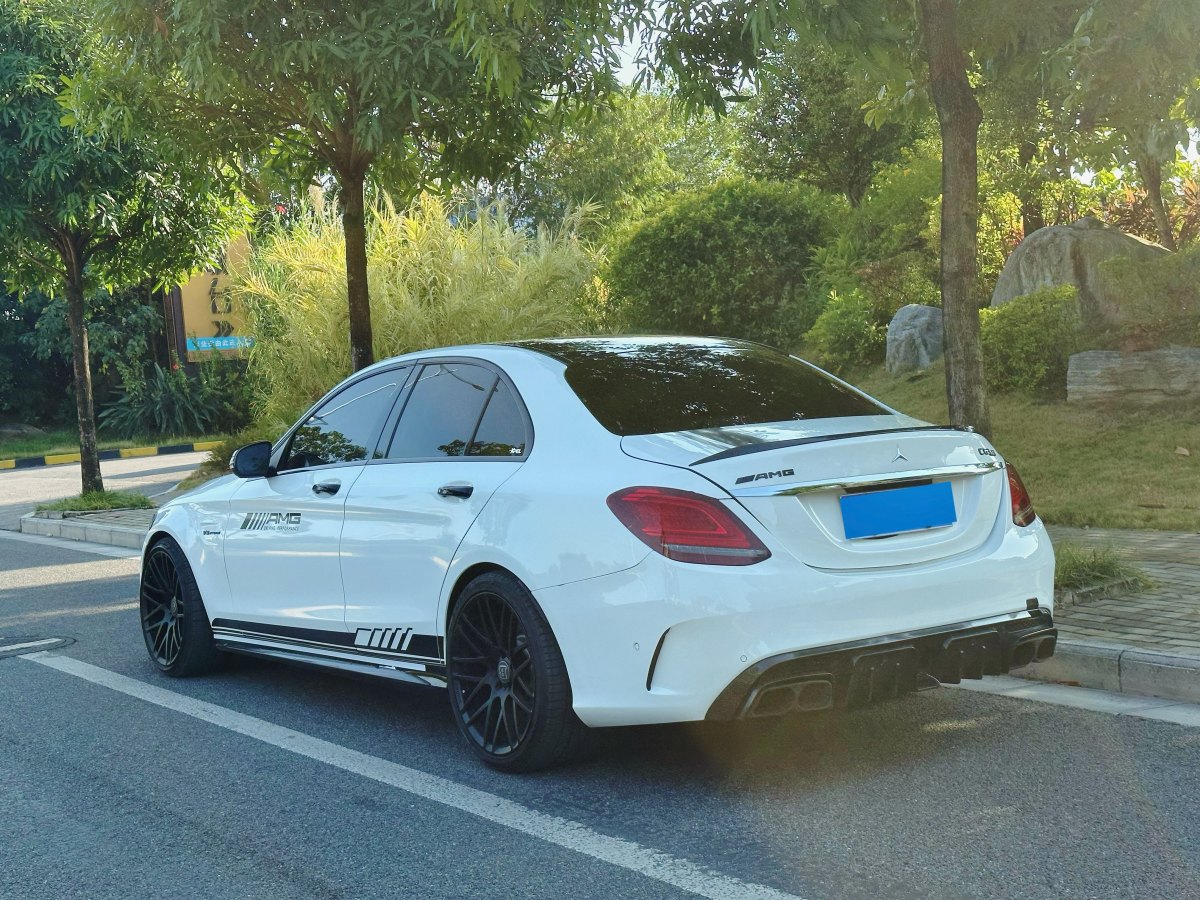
<point x="807" y="695"/>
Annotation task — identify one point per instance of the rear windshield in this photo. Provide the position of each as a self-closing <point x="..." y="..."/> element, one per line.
<point x="648" y="387"/>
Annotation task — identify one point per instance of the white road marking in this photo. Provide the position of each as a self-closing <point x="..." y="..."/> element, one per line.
<point x="67" y="544"/>
<point x="655" y="864"/>
<point x="29" y="645"/>
<point x="1090" y="699"/>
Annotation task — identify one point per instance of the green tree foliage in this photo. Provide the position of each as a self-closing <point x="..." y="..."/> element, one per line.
<point x="434" y="282"/>
<point x="727" y="260"/>
<point x="1133" y="68"/>
<point x="356" y="87"/>
<point x="78" y="211"/>
<point x="806" y="122"/>
<point x="1028" y="342"/>
<point x="27" y="385"/>
<point x="125" y="330"/>
<point x="623" y="157"/>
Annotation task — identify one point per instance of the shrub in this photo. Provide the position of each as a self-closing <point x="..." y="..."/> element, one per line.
<point x="161" y="401"/>
<point x="730" y="260"/>
<point x="435" y="279"/>
<point x="846" y="334"/>
<point x="1028" y="341"/>
<point x="897" y="281"/>
<point x="1160" y="299"/>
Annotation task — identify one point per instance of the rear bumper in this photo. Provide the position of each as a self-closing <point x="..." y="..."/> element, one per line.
<point x="859" y="673"/>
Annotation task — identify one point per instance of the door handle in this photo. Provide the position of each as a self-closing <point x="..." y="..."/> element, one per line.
<point x="456" y="490"/>
<point x="327" y="487"/>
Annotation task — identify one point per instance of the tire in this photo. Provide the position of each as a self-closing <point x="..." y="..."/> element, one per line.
<point x="508" y="685"/>
<point x="174" y="622"/>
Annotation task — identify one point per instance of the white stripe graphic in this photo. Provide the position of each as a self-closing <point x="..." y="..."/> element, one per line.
<point x="655" y="864"/>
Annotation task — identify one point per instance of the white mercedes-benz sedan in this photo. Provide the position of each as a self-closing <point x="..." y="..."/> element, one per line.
<point x="608" y="531"/>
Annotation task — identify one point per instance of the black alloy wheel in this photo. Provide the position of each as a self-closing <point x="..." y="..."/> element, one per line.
<point x="174" y="623"/>
<point x="508" y="684"/>
<point x="493" y="673"/>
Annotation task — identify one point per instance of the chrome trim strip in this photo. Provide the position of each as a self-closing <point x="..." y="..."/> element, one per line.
<point x="374" y="670"/>
<point x="808" y="487"/>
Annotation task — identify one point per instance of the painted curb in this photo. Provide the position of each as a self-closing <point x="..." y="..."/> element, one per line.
<point x="61" y="459"/>
<point x="1121" y="668"/>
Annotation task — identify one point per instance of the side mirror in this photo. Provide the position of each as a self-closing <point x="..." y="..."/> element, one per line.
<point x="252" y="461"/>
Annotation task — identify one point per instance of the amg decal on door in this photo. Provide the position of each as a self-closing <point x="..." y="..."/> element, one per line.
<point x="273" y="521"/>
<point x="383" y="638"/>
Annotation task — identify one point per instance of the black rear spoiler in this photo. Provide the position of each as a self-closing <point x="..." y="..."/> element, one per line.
<point x="747" y="449"/>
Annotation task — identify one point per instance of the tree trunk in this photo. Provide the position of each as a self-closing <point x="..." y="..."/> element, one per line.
<point x="85" y="411"/>
<point x="959" y="118"/>
<point x="1031" y="212"/>
<point x="1151" y="172"/>
<point x="354" y="227"/>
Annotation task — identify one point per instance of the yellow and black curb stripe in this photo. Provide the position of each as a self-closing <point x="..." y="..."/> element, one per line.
<point x="59" y="459"/>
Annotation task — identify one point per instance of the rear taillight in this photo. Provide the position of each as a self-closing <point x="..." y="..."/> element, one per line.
<point x="687" y="527"/>
<point x="1022" y="506"/>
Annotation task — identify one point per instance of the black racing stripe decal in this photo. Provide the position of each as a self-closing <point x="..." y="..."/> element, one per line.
<point x="338" y="638"/>
<point x="424" y="645"/>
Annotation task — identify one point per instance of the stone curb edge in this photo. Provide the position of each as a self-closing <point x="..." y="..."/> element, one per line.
<point x="74" y="530"/>
<point x="59" y="459"/>
<point x="1121" y="668"/>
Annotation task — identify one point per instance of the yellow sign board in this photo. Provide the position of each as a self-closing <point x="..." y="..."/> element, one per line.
<point x="212" y="320"/>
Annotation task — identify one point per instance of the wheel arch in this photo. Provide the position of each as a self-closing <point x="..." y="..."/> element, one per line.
<point x="465" y="577"/>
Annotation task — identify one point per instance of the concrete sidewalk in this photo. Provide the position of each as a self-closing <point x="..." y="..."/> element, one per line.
<point x="1144" y="642"/>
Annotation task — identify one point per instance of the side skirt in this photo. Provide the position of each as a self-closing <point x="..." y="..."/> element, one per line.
<point x="410" y="671"/>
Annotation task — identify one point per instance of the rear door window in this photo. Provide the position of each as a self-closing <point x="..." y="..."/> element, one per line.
<point x="502" y="429"/>
<point x="442" y="412"/>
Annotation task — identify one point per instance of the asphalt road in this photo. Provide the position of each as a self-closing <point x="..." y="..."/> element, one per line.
<point x="22" y="489"/>
<point x="283" y="782"/>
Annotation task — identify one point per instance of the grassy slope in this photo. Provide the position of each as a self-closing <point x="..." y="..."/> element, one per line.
<point x="1115" y="468"/>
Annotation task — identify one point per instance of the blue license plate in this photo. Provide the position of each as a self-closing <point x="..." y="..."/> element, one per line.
<point x="898" y="510"/>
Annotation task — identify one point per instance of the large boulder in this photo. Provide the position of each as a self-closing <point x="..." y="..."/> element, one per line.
<point x="914" y="338"/>
<point x="1072" y="254"/>
<point x="1146" y="378"/>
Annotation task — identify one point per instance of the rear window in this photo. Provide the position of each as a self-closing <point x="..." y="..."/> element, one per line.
<point x="648" y="387"/>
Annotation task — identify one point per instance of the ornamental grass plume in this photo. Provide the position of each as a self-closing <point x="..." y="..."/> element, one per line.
<point x="440" y="274"/>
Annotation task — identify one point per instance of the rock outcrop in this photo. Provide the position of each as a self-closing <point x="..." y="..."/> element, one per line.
<point x="1071" y="255"/>
<point x="914" y="338"/>
<point x="1146" y="378"/>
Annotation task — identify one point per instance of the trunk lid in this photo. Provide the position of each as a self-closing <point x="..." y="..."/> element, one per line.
<point x="792" y="476"/>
